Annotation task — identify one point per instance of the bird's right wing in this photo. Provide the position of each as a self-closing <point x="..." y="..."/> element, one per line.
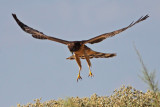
<point x="37" y="34"/>
<point x="110" y="34"/>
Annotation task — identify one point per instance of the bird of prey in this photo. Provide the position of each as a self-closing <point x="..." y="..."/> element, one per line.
<point x="79" y="49"/>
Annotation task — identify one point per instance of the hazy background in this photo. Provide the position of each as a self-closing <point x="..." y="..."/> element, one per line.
<point x="31" y="68"/>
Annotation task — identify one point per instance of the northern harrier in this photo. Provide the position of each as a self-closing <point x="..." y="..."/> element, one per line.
<point x="79" y="49"/>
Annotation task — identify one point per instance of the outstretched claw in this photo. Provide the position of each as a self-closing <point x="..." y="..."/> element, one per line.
<point x="90" y="74"/>
<point x="78" y="77"/>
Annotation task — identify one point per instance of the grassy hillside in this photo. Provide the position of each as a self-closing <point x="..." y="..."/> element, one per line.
<point x="122" y="97"/>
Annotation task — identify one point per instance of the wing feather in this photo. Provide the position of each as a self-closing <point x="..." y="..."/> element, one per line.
<point x="37" y="34"/>
<point x="110" y="34"/>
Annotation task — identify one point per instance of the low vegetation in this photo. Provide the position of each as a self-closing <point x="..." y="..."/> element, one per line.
<point x="122" y="97"/>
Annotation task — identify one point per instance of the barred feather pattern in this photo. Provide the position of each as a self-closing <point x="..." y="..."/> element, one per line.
<point x="95" y="55"/>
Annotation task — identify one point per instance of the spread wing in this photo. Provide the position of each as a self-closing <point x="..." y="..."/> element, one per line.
<point x="110" y="34"/>
<point x="37" y="34"/>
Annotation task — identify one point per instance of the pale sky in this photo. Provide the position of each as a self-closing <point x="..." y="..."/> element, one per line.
<point x="31" y="68"/>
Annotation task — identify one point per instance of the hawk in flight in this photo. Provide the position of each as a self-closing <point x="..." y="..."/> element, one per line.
<point x="79" y="49"/>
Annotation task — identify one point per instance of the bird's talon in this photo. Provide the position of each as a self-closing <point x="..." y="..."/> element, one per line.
<point x="79" y="77"/>
<point x="90" y="74"/>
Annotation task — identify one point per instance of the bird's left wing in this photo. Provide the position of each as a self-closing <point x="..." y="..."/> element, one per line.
<point x="110" y="34"/>
<point x="37" y="34"/>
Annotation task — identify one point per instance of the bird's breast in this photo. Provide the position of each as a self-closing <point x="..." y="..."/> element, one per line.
<point x="80" y="51"/>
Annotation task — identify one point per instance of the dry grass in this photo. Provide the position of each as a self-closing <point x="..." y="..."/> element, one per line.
<point x="122" y="97"/>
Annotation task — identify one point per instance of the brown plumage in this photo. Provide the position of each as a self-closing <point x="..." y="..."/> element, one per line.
<point x="93" y="54"/>
<point x="78" y="48"/>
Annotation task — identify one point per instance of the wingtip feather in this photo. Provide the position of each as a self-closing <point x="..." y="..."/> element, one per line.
<point x="14" y="15"/>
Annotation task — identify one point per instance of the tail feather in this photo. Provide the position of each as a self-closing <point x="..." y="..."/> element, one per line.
<point x="95" y="55"/>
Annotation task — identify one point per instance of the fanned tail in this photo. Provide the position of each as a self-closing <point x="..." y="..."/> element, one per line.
<point x="95" y="55"/>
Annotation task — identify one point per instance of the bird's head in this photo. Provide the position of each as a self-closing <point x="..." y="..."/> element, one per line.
<point x="74" y="46"/>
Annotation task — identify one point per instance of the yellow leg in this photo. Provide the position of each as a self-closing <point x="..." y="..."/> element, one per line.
<point x="79" y="64"/>
<point x="89" y="64"/>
